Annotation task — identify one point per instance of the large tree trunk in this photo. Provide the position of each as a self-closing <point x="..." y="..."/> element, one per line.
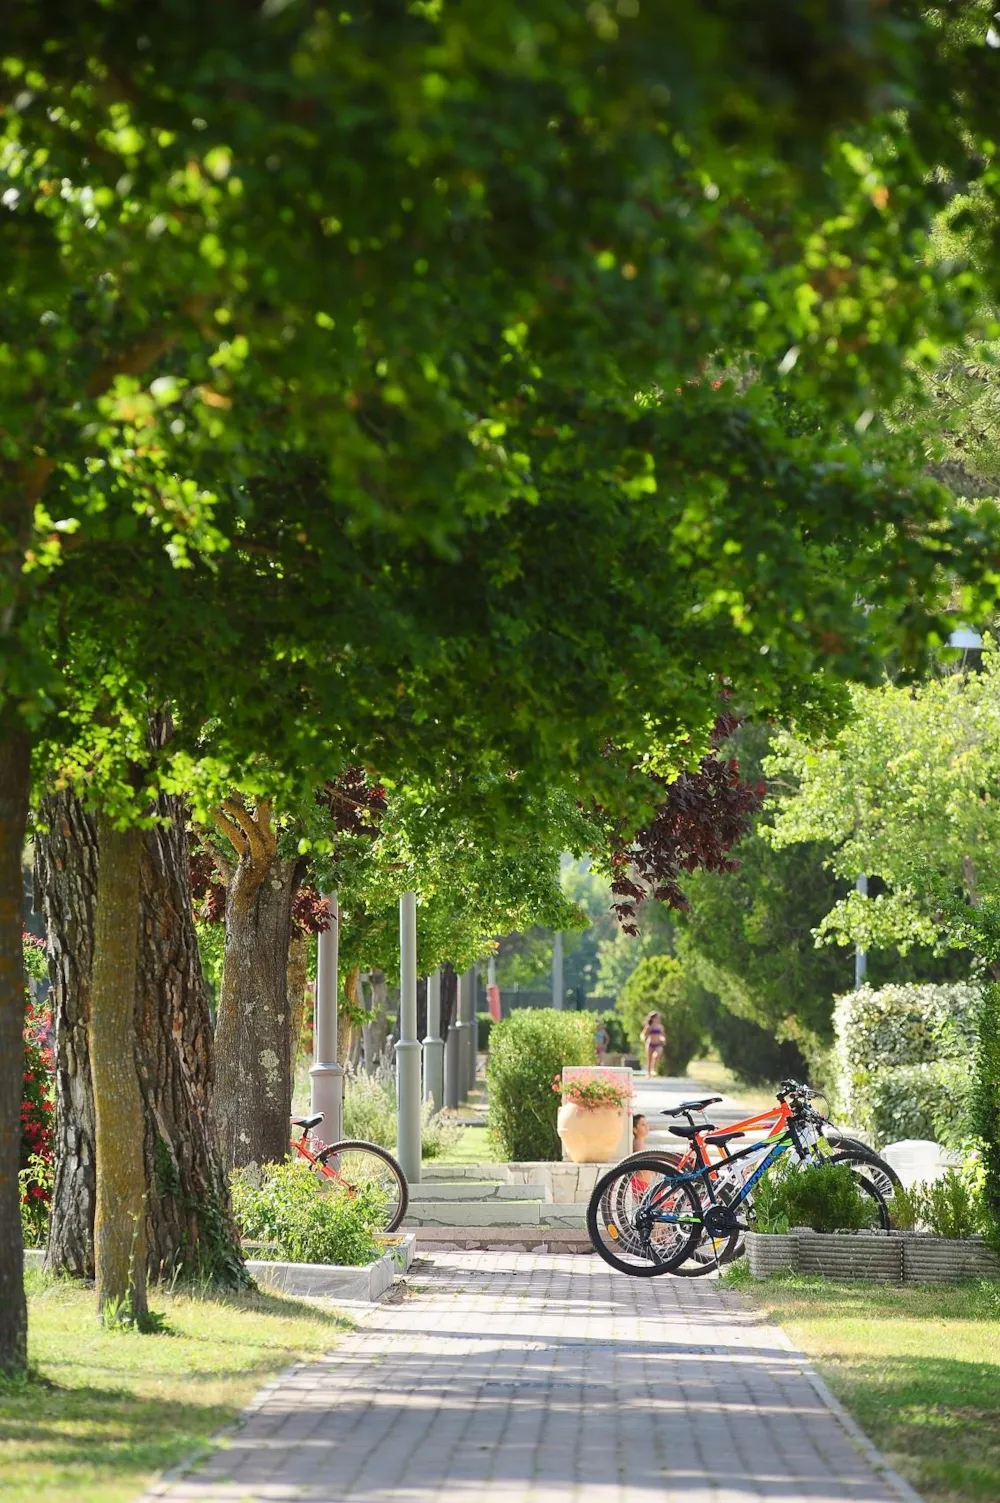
<point x="66" y="882"/>
<point x="376" y="1033"/>
<point x="15" y="788"/>
<point x="297" y="978"/>
<point x="188" y="1221"/>
<point x="120" y="1209"/>
<point x="253" y="1098"/>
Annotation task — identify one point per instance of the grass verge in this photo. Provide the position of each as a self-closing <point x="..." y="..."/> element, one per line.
<point x="104" y="1411"/>
<point x="917" y="1365"/>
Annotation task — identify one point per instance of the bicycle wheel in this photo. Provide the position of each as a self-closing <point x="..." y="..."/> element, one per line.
<point x="642" y="1220"/>
<point x="366" y="1171"/>
<point x="864" y="1177"/>
<point x="882" y="1175"/>
<point x="711" y="1253"/>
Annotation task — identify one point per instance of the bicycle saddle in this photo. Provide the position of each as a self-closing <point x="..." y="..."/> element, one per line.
<point x="722" y="1138"/>
<point x="691" y="1106"/>
<point x="692" y="1131"/>
<point x="306" y="1123"/>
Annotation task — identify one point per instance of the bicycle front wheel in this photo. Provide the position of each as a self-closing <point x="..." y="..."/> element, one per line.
<point x="368" y="1173"/>
<point x="641" y="1219"/>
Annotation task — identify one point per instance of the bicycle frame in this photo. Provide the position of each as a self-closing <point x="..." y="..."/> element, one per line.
<point x="706" y="1171"/>
<point x="299" y="1144"/>
<point x="778" y="1116"/>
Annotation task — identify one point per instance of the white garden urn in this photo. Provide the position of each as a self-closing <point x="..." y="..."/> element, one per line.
<point x="589" y="1135"/>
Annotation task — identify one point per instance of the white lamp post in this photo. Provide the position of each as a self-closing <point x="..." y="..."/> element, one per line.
<point x="434" y="1045"/>
<point x="408" y="1048"/>
<point x="326" y="1076"/>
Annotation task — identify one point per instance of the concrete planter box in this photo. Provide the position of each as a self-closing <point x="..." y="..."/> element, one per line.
<point x="318" y="1280"/>
<point x="888" y="1258"/>
<point x="945" y="1260"/>
<point x="849" y="1255"/>
<point x="769" y="1253"/>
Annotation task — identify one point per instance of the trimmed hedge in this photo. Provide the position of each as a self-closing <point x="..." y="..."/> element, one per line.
<point x="658" y="984"/>
<point x="484" y="1024"/>
<point x="527" y="1050"/>
<point x="931" y="1100"/>
<point x="896" y="1052"/>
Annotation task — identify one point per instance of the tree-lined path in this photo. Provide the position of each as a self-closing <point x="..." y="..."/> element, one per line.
<point x="535" y="1378"/>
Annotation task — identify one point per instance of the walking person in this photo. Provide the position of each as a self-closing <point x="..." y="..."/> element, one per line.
<point x="654" y="1037"/>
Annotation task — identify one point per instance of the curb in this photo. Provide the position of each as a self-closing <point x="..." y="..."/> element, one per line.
<point x="861" y="1442"/>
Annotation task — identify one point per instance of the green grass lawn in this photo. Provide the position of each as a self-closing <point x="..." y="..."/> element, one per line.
<point x="473" y="1147"/>
<point x="104" y="1411"/>
<point x="712" y="1076"/>
<point x="917" y="1366"/>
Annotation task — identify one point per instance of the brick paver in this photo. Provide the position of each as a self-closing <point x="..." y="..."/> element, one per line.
<point x="532" y="1377"/>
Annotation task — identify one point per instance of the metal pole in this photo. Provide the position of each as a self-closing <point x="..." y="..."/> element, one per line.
<point x="557" y="970"/>
<point x="452" y="1067"/>
<point x="472" y="1035"/>
<point x="861" y="956"/>
<point x="408" y="1048"/>
<point x="434" y="1045"/>
<point x="326" y="1076"/>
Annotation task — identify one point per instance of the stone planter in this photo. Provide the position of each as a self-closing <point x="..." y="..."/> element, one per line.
<point x="888" y="1258"/>
<point x="850" y="1255"/>
<point x="945" y="1260"/>
<point x="771" y="1252"/>
<point x="589" y="1135"/>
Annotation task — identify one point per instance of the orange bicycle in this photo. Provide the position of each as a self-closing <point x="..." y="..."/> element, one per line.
<point x="360" y="1170"/>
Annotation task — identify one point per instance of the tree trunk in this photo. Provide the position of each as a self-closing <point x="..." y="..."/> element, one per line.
<point x="66" y="879"/>
<point x="298" y="975"/>
<point x="188" y="1221"/>
<point x="377" y="1031"/>
<point x="253" y="1098"/>
<point x="15" y="789"/>
<point x="120" y="1210"/>
<point x="449" y="998"/>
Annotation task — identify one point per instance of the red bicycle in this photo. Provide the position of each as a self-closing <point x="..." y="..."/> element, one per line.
<point x="358" y="1169"/>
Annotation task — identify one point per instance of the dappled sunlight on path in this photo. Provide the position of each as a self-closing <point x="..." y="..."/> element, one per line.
<point x="512" y="1376"/>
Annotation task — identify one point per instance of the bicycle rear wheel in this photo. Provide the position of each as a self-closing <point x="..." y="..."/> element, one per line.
<point x="367" y="1172"/>
<point x="641" y="1220"/>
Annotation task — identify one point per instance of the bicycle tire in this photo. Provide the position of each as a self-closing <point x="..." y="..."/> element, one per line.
<point x="865" y="1183"/>
<point x="397" y="1207"/>
<point x="606" y="1233"/>
<point x="701" y="1260"/>
<point x="887" y="1181"/>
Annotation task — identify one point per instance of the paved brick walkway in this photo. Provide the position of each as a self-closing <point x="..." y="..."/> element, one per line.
<point x="546" y="1379"/>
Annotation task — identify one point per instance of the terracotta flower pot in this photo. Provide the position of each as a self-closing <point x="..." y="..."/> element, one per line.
<point x="589" y="1135"/>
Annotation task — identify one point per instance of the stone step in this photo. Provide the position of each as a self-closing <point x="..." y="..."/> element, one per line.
<point x="495" y="1213"/>
<point x="473" y="1190"/>
<point x="501" y="1239"/>
<point x="439" y="1169"/>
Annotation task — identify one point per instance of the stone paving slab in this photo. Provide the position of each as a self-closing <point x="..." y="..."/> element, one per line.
<point x="532" y="1378"/>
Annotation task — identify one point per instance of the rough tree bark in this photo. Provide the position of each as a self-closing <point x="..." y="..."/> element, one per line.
<point x="120" y="1208"/>
<point x="66" y="884"/>
<point x="297" y="977"/>
<point x="15" y="788"/>
<point x="253" y="1098"/>
<point x="376" y="1033"/>
<point x="188" y="1221"/>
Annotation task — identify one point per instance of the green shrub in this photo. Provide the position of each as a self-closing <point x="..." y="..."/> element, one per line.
<point x="658" y="984"/>
<point x="484" y="1022"/>
<point x="826" y="1198"/>
<point x="931" y="1100"/>
<point x="950" y="1207"/>
<point x="984" y="1108"/>
<point x="526" y="1051"/>
<point x="302" y="1218"/>
<point x="899" y="1027"/>
<point x="370" y="1114"/>
<point x="618" y="1041"/>
<point x="755" y="1056"/>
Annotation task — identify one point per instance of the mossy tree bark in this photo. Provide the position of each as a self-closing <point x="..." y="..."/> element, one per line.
<point x="253" y="1097"/>
<point x="296" y="980"/>
<point x="188" y="1220"/>
<point x="15" y="786"/>
<point x="120" y="1209"/>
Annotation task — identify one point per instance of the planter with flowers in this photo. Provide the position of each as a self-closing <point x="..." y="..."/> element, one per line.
<point x="590" y="1118"/>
